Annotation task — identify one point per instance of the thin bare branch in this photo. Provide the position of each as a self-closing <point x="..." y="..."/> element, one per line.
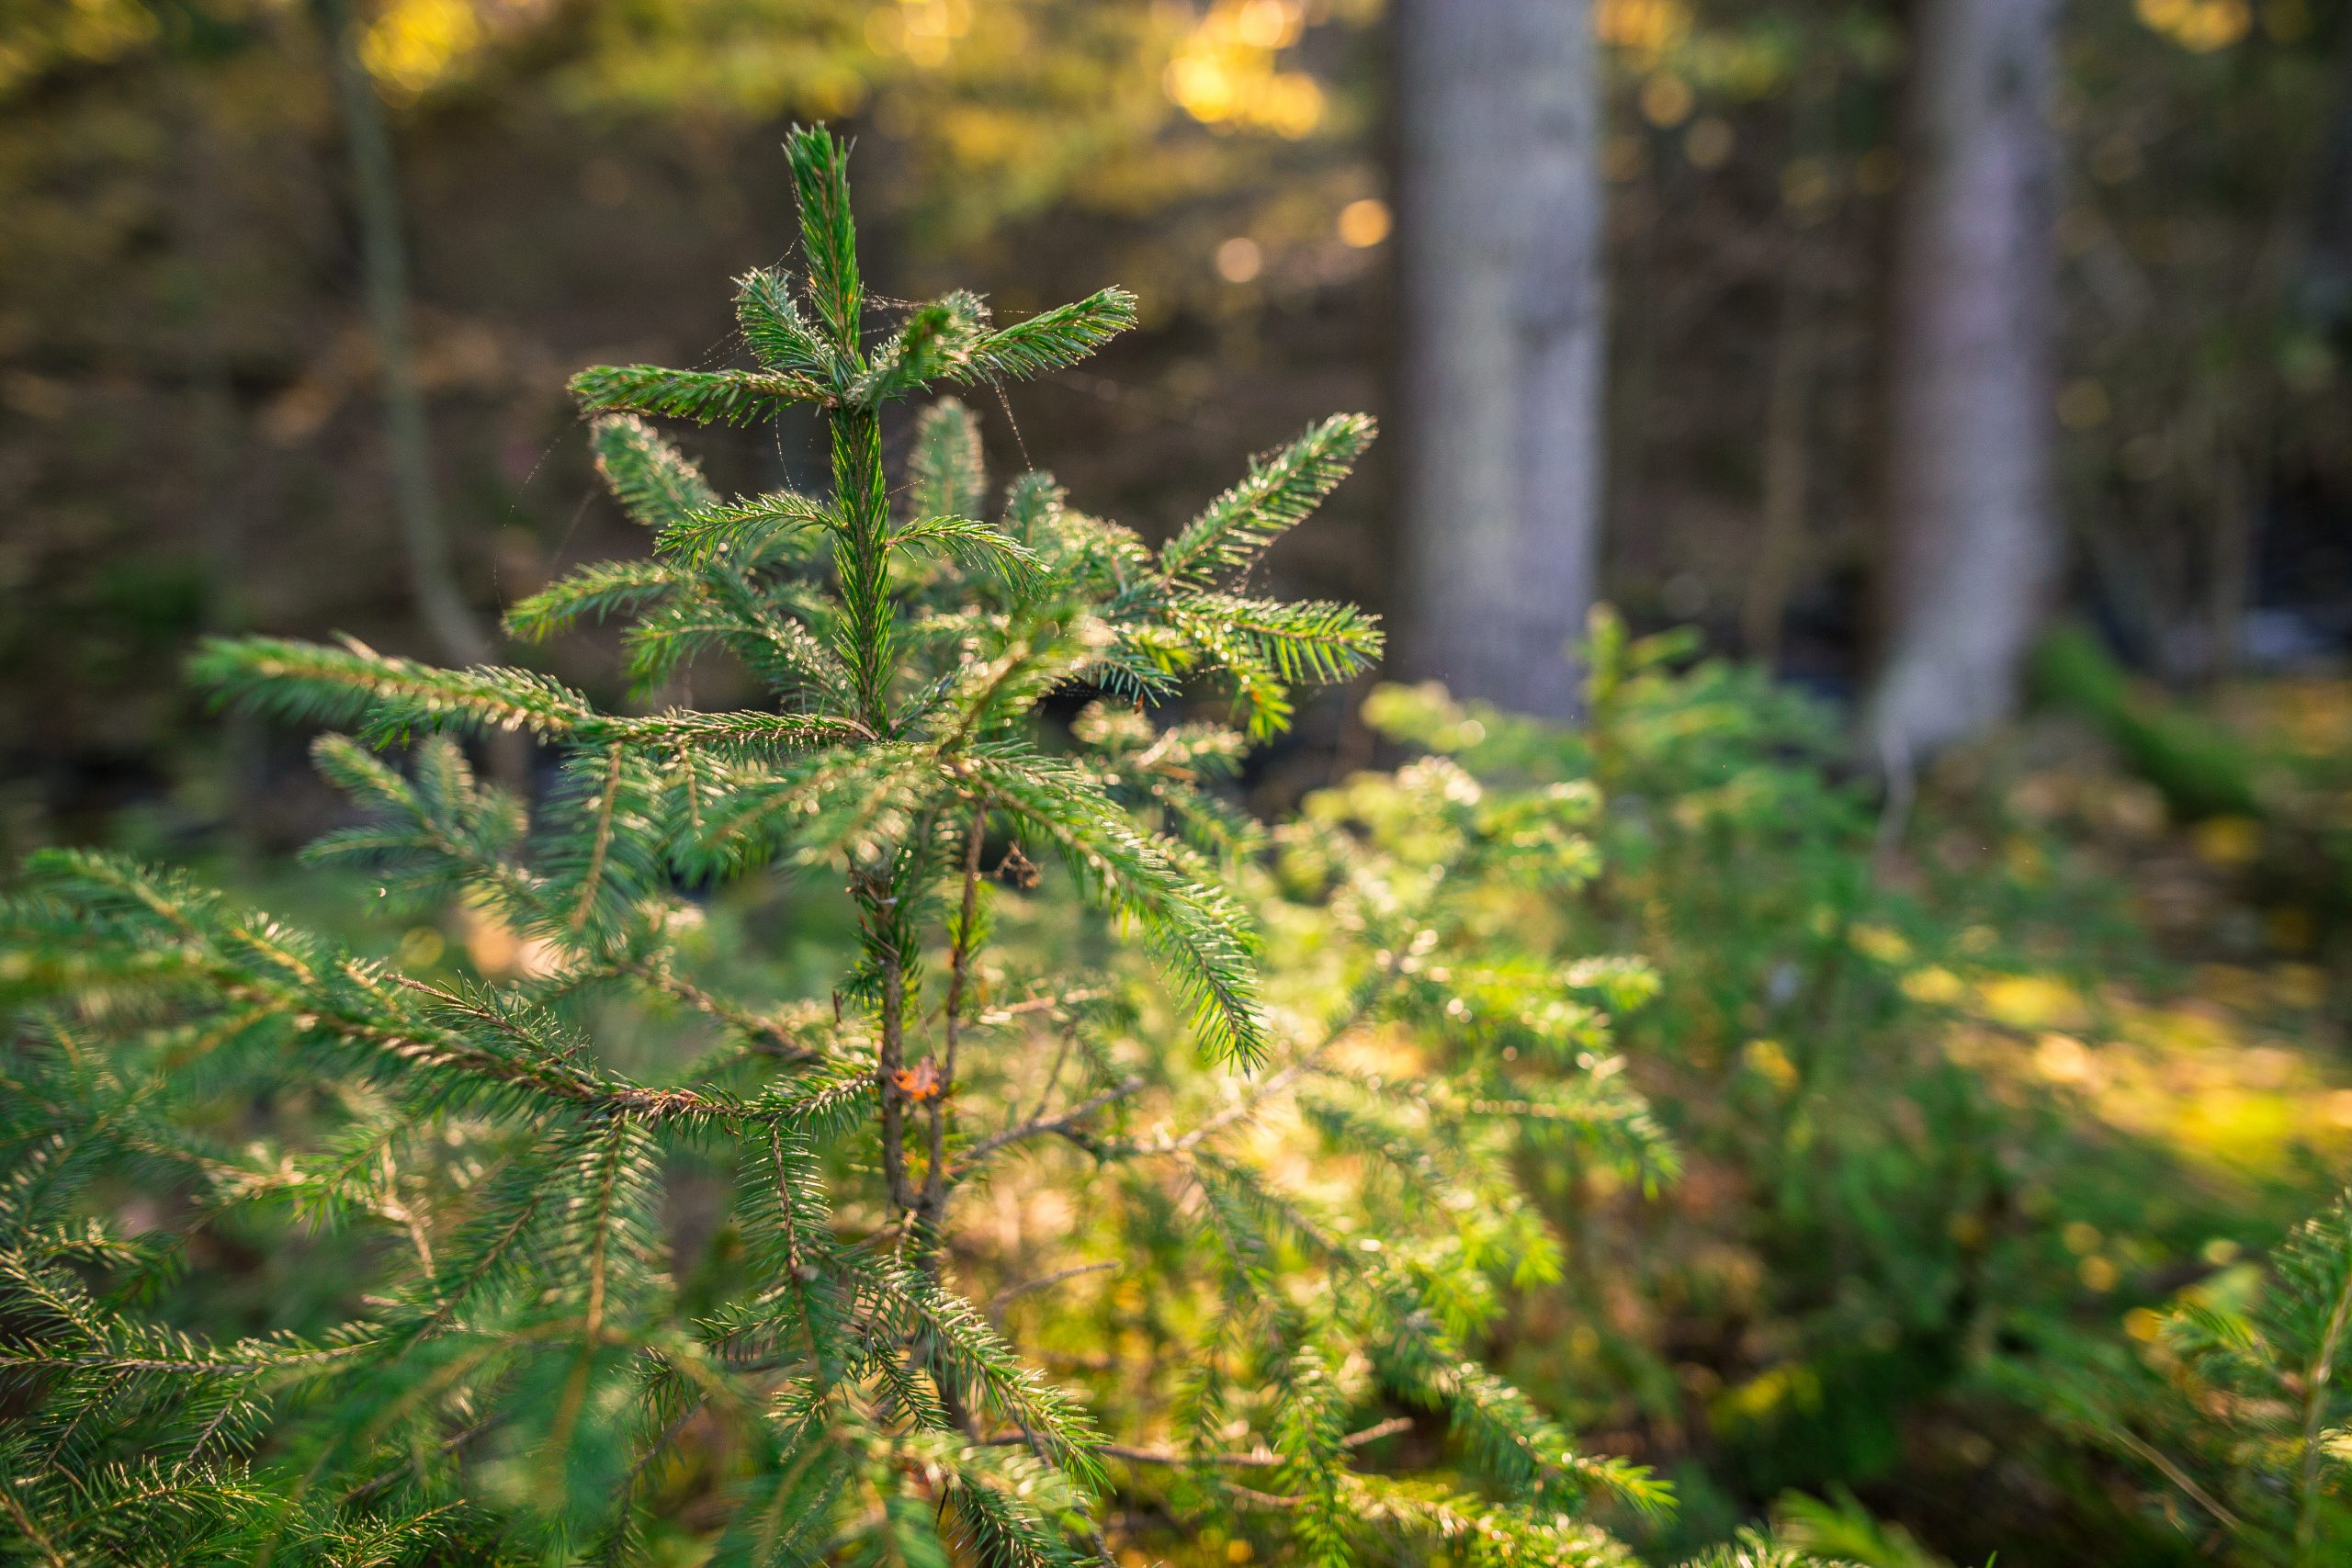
<point x="780" y="1042"/>
<point x="1049" y="1126"/>
<point x="1011" y="1293"/>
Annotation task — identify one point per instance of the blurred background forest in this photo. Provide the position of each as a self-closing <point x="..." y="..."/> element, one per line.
<point x="289" y="292"/>
<point x="191" y="435"/>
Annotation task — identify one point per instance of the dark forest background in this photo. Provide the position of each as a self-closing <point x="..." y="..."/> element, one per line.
<point x="190" y="435"/>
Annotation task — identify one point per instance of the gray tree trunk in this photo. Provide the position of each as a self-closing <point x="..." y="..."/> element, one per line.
<point x="1972" y="531"/>
<point x="1500" y="241"/>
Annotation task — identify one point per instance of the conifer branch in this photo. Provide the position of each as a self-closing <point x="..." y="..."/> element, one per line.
<point x="651" y="478"/>
<point x="1199" y="934"/>
<point x="743" y="531"/>
<point x="867" y="634"/>
<point x="740" y="729"/>
<point x="1053" y="340"/>
<point x="2319" y="1374"/>
<point x="1282" y="488"/>
<point x="601" y="845"/>
<point x="772" y="324"/>
<point x="971" y="542"/>
<point x="591" y="592"/>
<point x="706" y="397"/>
<point x="310" y="683"/>
<point x="936" y="340"/>
<point x="827" y="238"/>
<point x="945" y="478"/>
<point x="27" y="1525"/>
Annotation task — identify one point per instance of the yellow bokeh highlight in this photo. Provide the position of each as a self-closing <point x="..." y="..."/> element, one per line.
<point x="1645" y="27"/>
<point x="1667" y="100"/>
<point x="924" y="31"/>
<point x="2202" y="1075"/>
<point x="93" y="31"/>
<point x="1880" y="942"/>
<point x="1268" y="24"/>
<point x="415" y="43"/>
<point x="2061" y="1058"/>
<point x="1767" y="1058"/>
<point x="1363" y="224"/>
<point x="2033" y="1001"/>
<point x="421" y="948"/>
<point x="2200" y="25"/>
<point x="1935" y="985"/>
<point x="500" y="951"/>
<point x="1768" y="1396"/>
<point x="2228" y="840"/>
<point x="1240" y="259"/>
<point x="1226" y="72"/>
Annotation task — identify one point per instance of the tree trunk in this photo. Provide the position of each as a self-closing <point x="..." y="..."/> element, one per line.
<point x="1499" y="119"/>
<point x="440" y="605"/>
<point x="1972" y="536"/>
<point x="1787" y="474"/>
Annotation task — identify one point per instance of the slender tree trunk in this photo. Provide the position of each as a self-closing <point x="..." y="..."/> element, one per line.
<point x="1971" y="534"/>
<point x="1788" y="400"/>
<point x="440" y="605"/>
<point x="1787" y="474"/>
<point x="1499" y="116"/>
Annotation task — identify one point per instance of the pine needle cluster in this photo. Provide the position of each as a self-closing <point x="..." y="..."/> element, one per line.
<point x="530" y="1366"/>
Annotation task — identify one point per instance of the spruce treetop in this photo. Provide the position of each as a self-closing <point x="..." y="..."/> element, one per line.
<point x="528" y="1363"/>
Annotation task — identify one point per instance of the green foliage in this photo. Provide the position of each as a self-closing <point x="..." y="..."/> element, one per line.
<point x="1840" y="1526"/>
<point x="1850" y="1046"/>
<point x="726" y="1305"/>
<point x="2231" y="1410"/>
<point x="2201" y="772"/>
<point x="2208" y="763"/>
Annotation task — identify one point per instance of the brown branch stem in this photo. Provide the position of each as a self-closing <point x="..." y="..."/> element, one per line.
<point x="890" y="1049"/>
<point x="934" y="1176"/>
<point x="1261" y="1459"/>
